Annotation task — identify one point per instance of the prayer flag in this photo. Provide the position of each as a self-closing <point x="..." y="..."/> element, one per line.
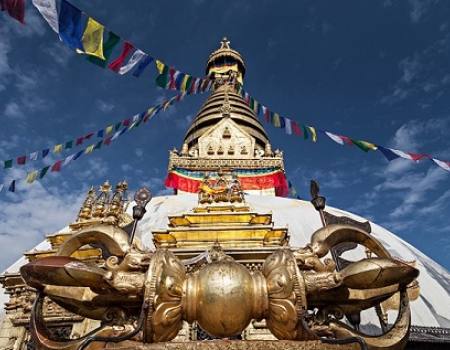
<point x="43" y="171"/>
<point x="89" y="149"/>
<point x="313" y="133"/>
<point x="364" y="145"/>
<point x="88" y="136"/>
<point x="12" y="186"/>
<point x="117" y="63"/>
<point x="109" y="129"/>
<point x="70" y="25"/>
<point x="194" y="86"/>
<point x="8" y="164"/>
<point x="68" y="145"/>
<point x="266" y="113"/>
<point x="32" y="176"/>
<point x="21" y="160"/>
<point x="296" y="129"/>
<point x="117" y="126"/>
<point x="288" y="126"/>
<point x="142" y="65"/>
<point x="442" y="164"/>
<point x="387" y="152"/>
<point x="276" y="120"/>
<point x="68" y="159"/>
<point x="136" y="57"/>
<point x="15" y="8"/>
<point x="171" y="82"/>
<point x="98" y="145"/>
<point x="45" y="152"/>
<point x="107" y="141"/>
<point x="186" y="84"/>
<point x="93" y="38"/>
<point x="100" y="133"/>
<point x="57" y="166"/>
<point x="108" y="47"/>
<point x="78" y="155"/>
<point x="79" y="141"/>
<point x="305" y="132"/>
<point x="126" y="122"/>
<point x="58" y="148"/>
<point x="47" y="8"/>
<point x="336" y="138"/>
<point x="163" y="78"/>
<point x="34" y="155"/>
<point x="177" y="80"/>
<point x="406" y="155"/>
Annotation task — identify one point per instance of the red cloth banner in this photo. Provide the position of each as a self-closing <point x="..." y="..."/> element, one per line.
<point x="275" y="180"/>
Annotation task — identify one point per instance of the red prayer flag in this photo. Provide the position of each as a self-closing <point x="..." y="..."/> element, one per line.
<point x="57" y="166"/>
<point x="296" y="129"/>
<point x="21" y="160"/>
<point x="416" y="156"/>
<point x="346" y="139"/>
<point x="126" y="122"/>
<point x="79" y="141"/>
<point x="88" y="136"/>
<point x="172" y="72"/>
<point x="15" y="8"/>
<point x="118" y="62"/>
<point x="107" y="141"/>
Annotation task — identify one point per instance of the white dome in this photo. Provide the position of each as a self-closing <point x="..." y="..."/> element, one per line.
<point x="431" y="309"/>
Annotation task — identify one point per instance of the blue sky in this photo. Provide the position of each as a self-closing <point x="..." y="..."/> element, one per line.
<point x="374" y="70"/>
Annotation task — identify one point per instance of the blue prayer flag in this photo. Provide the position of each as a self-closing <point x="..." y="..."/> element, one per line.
<point x="45" y="152"/>
<point x="142" y="65"/>
<point x="388" y="153"/>
<point x="101" y="133"/>
<point x="70" y="25"/>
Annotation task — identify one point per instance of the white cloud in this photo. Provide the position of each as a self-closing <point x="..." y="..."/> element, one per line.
<point x="104" y="106"/>
<point x="13" y="111"/>
<point x="139" y="152"/>
<point x="95" y="168"/>
<point x="27" y="216"/>
<point x="419" y="8"/>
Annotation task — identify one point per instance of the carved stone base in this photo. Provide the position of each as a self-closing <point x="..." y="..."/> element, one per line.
<point x="231" y="345"/>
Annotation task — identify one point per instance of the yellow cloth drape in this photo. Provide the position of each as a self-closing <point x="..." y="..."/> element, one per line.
<point x="93" y="39"/>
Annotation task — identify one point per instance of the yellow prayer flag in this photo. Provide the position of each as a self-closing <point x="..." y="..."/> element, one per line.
<point x="313" y="133"/>
<point x="184" y="82"/>
<point x="109" y="129"/>
<point x="32" y="176"/>
<point x="89" y="149"/>
<point x="93" y="38"/>
<point x="160" y="66"/>
<point x="58" y="148"/>
<point x="276" y="120"/>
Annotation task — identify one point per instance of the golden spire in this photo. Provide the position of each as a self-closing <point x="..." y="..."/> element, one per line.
<point x="225" y="59"/>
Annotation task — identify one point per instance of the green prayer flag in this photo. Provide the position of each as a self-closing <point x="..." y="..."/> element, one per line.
<point x="305" y="132"/>
<point x="163" y="78"/>
<point x="117" y="126"/>
<point x="43" y="171"/>
<point x="8" y="163"/>
<point x="108" y="47"/>
<point x="98" y="145"/>
<point x="68" y="145"/>
<point x="364" y="145"/>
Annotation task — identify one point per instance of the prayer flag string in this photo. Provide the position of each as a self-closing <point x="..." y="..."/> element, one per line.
<point x="292" y="127"/>
<point x="60" y="164"/>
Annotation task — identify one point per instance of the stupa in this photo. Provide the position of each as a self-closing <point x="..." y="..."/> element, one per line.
<point x="226" y="262"/>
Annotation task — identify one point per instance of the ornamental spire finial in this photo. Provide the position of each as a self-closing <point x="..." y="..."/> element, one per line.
<point x="225" y="43"/>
